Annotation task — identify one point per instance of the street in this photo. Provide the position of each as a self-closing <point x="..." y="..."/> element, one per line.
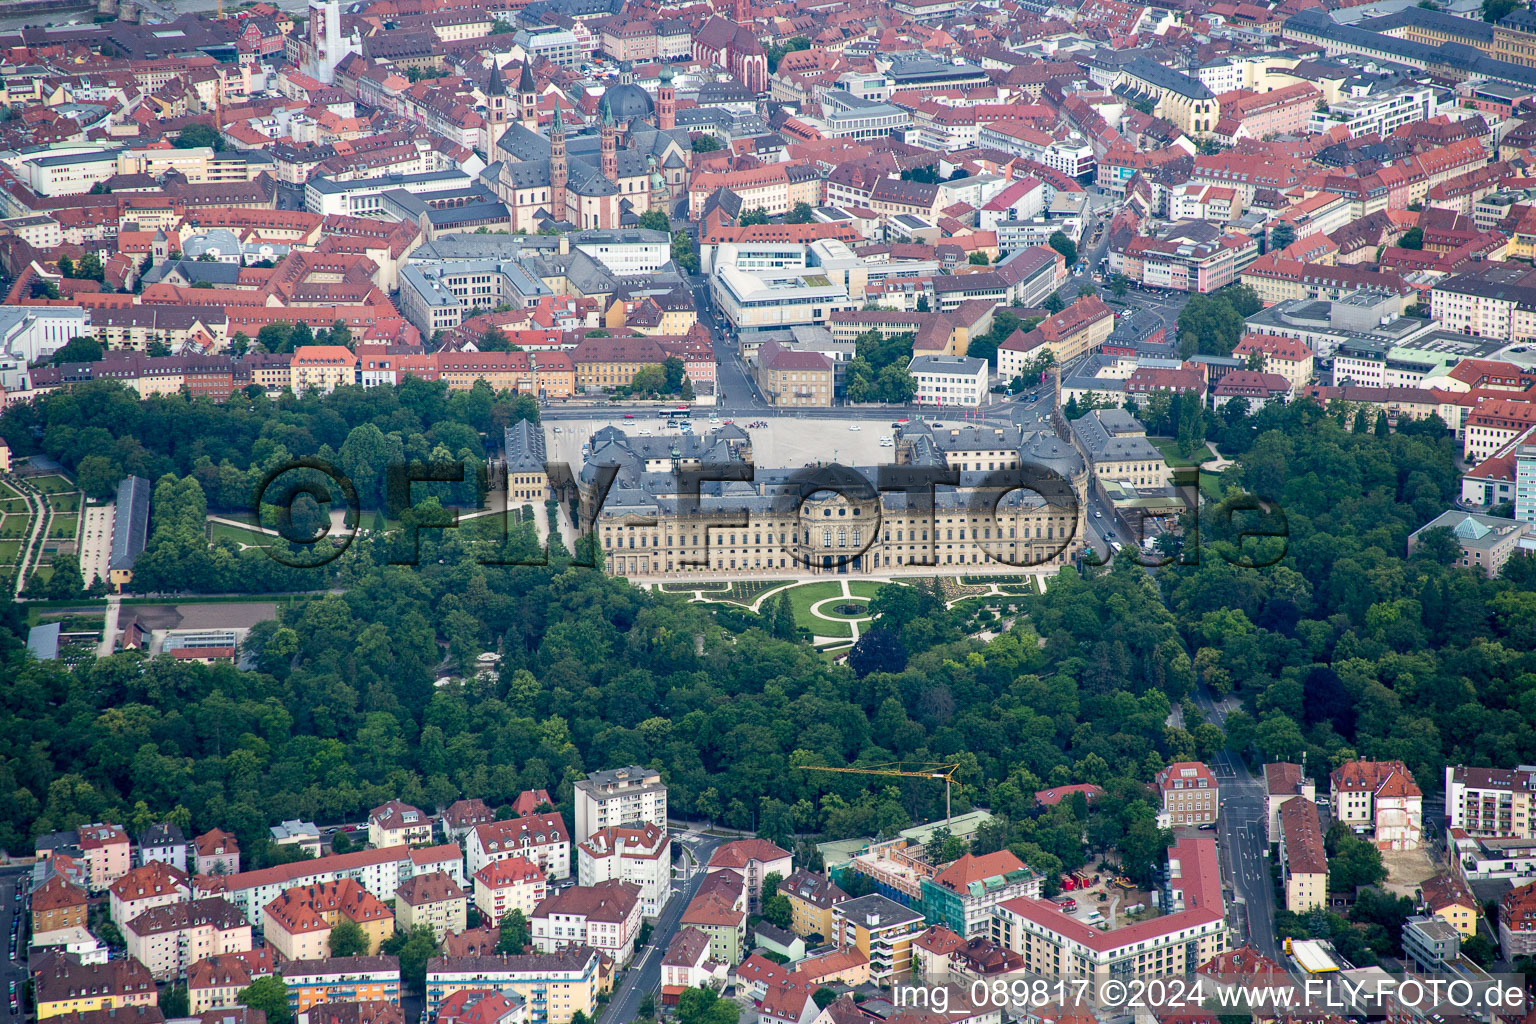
<point x="1240" y="832"/>
<point x="13" y="970"/>
<point x="644" y="974"/>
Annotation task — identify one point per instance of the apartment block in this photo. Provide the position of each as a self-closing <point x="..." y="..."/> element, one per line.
<point x="640" y="855"/>
<point x="61" y="984"/>
<point x="1189" y="793"/>
<point x="434" y="900"/>
<point x="961" y="897"/>
<point x="58" y="904"/>
<point x="341" y="979"/>
<point x="170" y="939"/>
<point x="509" y="884"/>
<point x="1283" y="782"/>
<point x="811" y="899"/>
<point x="1303" y="861"/>
<point x="1491" y="801"/>
<point x="556" y="986"/>
<point x="605" y="916"/>
<point x="753" y="859"/>
<point x="378" y="871"/>
<point x="538" y="838"/>
<point x="398" y="824"/>
<point x="153" y="885"/>
<point x="1379" y="798"/>
<point x="882" y="930"/>
<point x="620" y="796"/>
<point x="298" y="923"/>
<point x="1192" y="932"/>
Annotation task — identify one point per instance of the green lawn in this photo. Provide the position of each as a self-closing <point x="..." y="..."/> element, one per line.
<point x="1170" y="449"/>
<point x="64" y="527"/>
<point x="14" y="506"/>
<point x="14" y="526"/>
<point x="42" y="573"/>
<point x="51" y="484"/>
<point x="7" y="491"/>
<point x="802" y="597"/>
<point x="65" y="502"/>
<point x="9" y="550"/>
<point x="717" y="587"/>
<point x="863" y="588"/>
<point x="1211" y="485"/>
<point x="250" y="538"/>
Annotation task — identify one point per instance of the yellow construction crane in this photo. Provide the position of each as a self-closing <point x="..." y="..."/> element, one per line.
<point x="903" y="770"/>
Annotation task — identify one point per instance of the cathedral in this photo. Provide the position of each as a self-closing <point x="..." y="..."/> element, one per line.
<point x="731" y="44"/>
<point x="637" y="159"/>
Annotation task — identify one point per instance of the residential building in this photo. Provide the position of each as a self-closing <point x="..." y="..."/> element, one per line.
<point x="1283" y="782"/>
<point x="302" y="834"/>
<point x="556" y="986"/>
<point x="1189" y="793"/>
<point x="432" y="899"/>
<point x="61" y="984"/>
<point x="882" y="930"/>
<point x="483" y="1006"/>
<point x="165" y="843"/>
<point x="398" y="824"/>
<point x="170" y="939"/>
<point x="620" y="796"/>
<point x="153" y="885"/>
<point x="1430" y="944"/>
<point x="216" y="852"/>
<point x="686" y="964"/>
<point x="1491" y="801"/>
<point x="719" y="910"/>
<point x="298" y="923"/>
<point x="1517" y="922"/>
<point x="753" y="859"/>
<point x="1379" y="798"/>
<point x="1525" y="483"/>
<point x="509" y="884"/>
<point x="342" y="979"/>
<point x="538" y="838"/>
<point x="961" y="897"/>
<point x="605" y="916"/>
<point x="811" y="899"/>
<point x="104" y="849"/>
<point x="639" y="855"/>
<point x="1303" y="862"/>
<point x="58" y="904"/>
<point x="954" y="381"/>
<point x="1485" y="542"/>
<point x="1191" y="932"/>
<point x="1447" y="897"/>
<point x="216" y="981"/>
<point x="1074" y="332"/>
<point x="462" y="816"/>
<point x="1287" y="357"/>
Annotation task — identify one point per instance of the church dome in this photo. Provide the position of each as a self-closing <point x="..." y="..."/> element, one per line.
<point x="629" y="102"/>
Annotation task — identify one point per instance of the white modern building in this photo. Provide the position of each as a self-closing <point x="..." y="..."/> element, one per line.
<point x="949" y="380"/>
<point x="640" y="855"/>
<point x="620" y="796"/>
<point x="33" y="333"/>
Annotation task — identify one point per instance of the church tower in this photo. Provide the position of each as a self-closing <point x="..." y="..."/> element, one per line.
<point x="666" y="102"/>
<point x="528" y="99"/>
<point x="495" y="109"/>
<point x="610" y="144"/>
<point x="557" y="167"/>
<point x="741" y="11"/>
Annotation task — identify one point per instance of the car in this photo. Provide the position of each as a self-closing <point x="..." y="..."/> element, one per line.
<point x="557" y="430"/>
<point x="629" y="415"/>
<point x="1207" y="827"/>
<point x="644" y="432"/>
<point x="854" y="426"/>
<point x="1097" y="514"/>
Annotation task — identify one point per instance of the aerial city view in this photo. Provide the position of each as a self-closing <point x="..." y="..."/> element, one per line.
<point x="752" y="512"/>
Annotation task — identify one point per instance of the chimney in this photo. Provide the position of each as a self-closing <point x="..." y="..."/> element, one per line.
<point x="565" y="244"/>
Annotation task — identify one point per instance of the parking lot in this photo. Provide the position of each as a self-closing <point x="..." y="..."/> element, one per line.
<point x="785" y="441"/>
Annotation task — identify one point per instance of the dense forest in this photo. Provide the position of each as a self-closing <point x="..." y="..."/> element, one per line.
<point x="1338" y="645"/>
